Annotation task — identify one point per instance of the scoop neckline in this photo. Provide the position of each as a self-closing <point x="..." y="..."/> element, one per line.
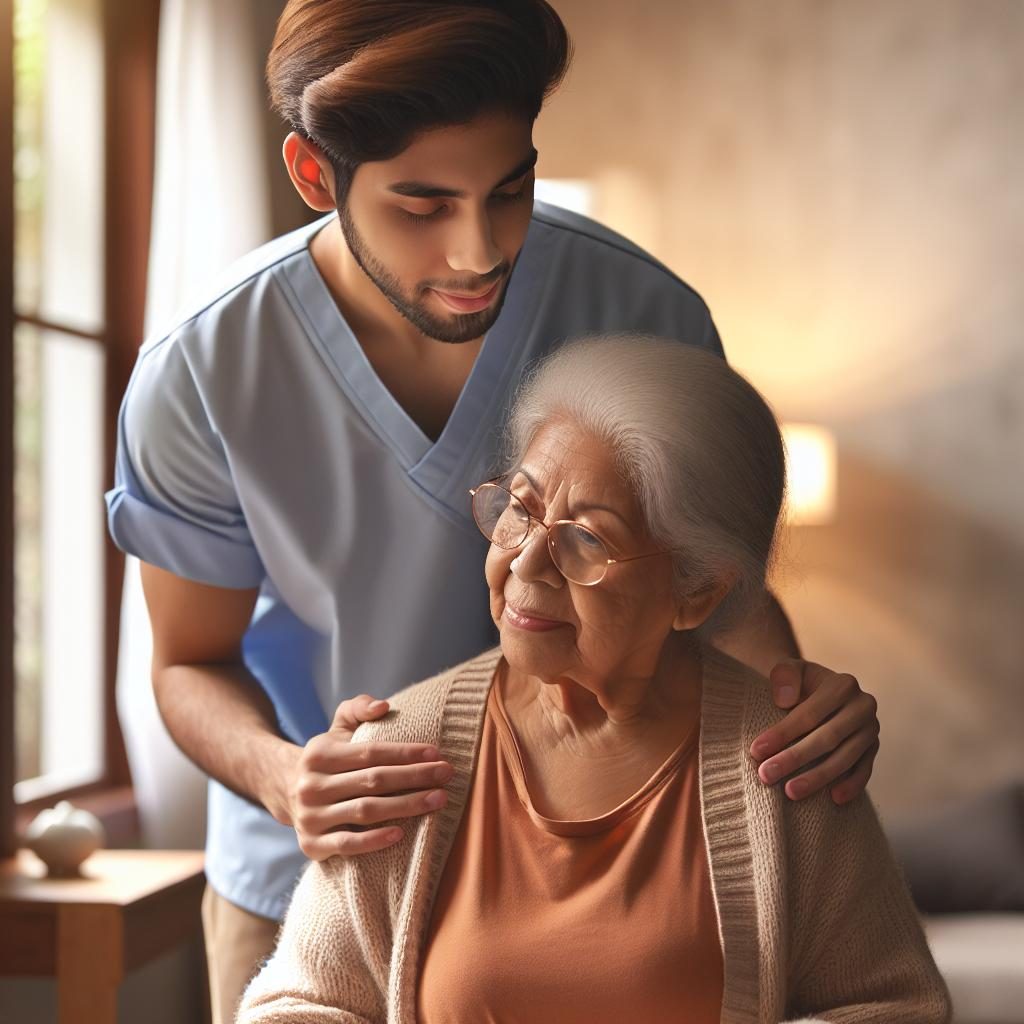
<point x="578" y="827"/>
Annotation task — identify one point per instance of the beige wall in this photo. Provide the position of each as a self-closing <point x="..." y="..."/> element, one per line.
<point x="844" y="183"/>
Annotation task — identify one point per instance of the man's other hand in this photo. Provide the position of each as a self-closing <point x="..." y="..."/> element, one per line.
<point x="833" y="722"/>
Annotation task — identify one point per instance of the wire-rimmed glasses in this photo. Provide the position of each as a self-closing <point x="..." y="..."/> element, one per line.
<point x="578" y="553"/>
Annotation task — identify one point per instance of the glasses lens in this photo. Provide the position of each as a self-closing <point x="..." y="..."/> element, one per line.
<point x="579" y="555"/>
<point x="500" y="515"/>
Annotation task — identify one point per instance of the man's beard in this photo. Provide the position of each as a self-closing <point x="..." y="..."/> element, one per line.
<point x="460" y="328"/>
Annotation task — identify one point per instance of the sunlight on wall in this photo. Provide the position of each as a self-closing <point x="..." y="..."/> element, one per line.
<point x="576" y="194"/>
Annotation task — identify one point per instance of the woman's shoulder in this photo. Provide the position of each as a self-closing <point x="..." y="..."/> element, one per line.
<point x="738" y="694"/>
<point x="418" y="713"/>
<point x="742" y="697"/>
<point x="744" y="709"/>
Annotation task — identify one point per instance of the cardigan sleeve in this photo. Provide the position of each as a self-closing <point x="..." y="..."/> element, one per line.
<point x="301" y="982"/>
<point x="333" y="959"/>
<point x="343" y="954"/>
<point x="858" y="953"/>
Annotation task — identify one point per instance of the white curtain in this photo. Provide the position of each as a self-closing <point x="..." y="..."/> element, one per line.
<point x="211" y="205"/>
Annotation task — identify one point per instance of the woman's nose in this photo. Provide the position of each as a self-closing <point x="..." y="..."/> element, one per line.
<point x="471" y="249"/>
<point x="533" y="563"/>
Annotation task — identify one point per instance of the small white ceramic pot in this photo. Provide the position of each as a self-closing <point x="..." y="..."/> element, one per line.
<point x="63" y="837"/>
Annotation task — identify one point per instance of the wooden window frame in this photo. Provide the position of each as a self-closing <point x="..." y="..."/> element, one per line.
<point x="130" y="32"/>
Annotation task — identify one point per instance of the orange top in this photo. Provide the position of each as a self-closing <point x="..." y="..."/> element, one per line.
<point x="608" y="919"/>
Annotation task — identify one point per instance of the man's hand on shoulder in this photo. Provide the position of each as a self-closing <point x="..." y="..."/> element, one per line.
<point x="338" y="791"/>
<point x="331" y="791"/>
<point x="832" y="722"/>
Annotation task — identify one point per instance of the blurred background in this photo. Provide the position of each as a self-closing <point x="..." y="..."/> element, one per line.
<point x="842" y="181"/>
<point x="844" y="184"/>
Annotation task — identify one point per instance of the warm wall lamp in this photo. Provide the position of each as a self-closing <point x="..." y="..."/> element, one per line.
<point x="811" y="468"/>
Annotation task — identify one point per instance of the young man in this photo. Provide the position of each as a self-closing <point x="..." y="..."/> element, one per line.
<point x="294" y="457"/>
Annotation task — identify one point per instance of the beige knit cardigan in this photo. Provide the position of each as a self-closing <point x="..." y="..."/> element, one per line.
<point x="814" y="919"/>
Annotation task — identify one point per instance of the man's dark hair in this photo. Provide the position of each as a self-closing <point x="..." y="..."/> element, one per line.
<point x="361" y="78"/>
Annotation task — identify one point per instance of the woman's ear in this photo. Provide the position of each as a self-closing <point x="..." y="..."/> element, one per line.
<point x="310" y="171"/>
<point x="696" y="607"/>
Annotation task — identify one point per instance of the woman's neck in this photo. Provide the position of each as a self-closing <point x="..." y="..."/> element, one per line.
<point x="609" y="716"/>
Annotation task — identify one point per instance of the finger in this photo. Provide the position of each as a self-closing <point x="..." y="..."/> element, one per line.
<point x="372" y="810"/>
<point x="827" y="771"/>
<point x="787" y="682"/>
<point x="350" y="844"/>
<point x="351" y="713"/>
<point x="840" y="690"/>
<point x="329" y="754"/>
<point x="848" y="722"/>
<point x="813" y="675"/>
<point x="320" y="790"/>
<point x="855" y="781"/>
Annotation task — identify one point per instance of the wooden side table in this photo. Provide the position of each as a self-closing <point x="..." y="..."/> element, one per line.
<point x="128" y="907"/>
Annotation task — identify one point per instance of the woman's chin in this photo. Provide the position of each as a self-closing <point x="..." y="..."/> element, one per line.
<point x="529" y="652"/>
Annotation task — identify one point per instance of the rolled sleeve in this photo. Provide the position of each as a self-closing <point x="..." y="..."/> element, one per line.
<point x="174" y="503"/>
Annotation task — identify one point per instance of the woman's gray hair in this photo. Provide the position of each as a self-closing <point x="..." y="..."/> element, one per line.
<point x="699" y="446"/>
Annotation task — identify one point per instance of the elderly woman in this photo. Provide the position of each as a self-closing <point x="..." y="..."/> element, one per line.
<point x="606" y="853"/>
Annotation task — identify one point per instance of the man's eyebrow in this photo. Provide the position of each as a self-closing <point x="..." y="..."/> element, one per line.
<point x="524" y="167"/>
<point x="422" y="190"/>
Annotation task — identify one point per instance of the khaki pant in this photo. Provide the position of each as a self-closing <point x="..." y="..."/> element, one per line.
<point x="237" y="943"/>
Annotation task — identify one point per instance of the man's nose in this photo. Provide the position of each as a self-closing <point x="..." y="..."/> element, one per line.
<point x="471" y="249"/>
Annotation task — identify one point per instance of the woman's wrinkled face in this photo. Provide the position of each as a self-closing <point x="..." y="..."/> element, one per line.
<point x="550" y="627"/>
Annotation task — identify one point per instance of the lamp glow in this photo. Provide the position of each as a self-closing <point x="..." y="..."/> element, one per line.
<point x="811" y="468"/>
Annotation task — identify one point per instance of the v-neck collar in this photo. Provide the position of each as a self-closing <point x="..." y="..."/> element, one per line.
<point x="437" y="466"/>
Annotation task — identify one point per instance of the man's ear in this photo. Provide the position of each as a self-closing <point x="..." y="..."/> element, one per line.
<point x="310" y="171"/>
<point x="696" y="607"/>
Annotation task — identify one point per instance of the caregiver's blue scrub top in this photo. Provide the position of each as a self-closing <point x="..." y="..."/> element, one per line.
<point x="258" y="448"/>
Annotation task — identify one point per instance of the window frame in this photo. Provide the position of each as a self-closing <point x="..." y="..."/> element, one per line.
<point x="130" y="34"/>
<point x="7" y="843"/>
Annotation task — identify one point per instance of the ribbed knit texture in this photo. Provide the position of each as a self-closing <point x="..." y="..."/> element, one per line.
<point x="814" y="918"/>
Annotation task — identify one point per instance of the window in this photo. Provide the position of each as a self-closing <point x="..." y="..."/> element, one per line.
<point x="77" y="126"/>
<point x="58" y="395"/>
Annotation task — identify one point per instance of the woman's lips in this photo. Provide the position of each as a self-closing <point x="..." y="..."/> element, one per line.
<point x="471" y="303"/>
<point x="529" y="621"/>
